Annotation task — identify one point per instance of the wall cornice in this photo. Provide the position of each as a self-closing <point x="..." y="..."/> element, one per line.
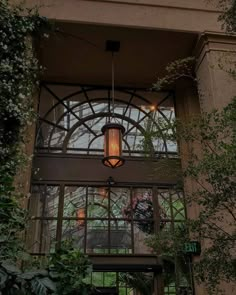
<point x="199" y="5"/>
<point x="211" y="41"/>
<point x="181" y="15"/>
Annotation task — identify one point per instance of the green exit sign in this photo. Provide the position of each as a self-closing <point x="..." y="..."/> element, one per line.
<point x="192" y="247"/>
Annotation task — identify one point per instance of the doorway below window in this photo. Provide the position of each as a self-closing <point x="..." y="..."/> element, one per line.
<point x="122" y="283"/>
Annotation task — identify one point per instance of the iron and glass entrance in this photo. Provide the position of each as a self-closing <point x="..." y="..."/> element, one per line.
<point x="72" y="197"/>
<point x="110" y="224"/>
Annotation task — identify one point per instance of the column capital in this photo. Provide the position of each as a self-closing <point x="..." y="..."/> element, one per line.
<point x="211" y="41"/>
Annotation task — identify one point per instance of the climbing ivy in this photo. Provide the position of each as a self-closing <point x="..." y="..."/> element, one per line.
<point x="19" y="73"/>
<point x="20" y="28"/>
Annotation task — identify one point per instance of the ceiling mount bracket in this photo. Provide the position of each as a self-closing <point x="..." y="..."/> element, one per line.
<point x="112" y="45"/>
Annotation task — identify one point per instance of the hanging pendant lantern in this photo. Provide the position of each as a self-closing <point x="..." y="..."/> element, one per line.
<point x="113" y="133"/>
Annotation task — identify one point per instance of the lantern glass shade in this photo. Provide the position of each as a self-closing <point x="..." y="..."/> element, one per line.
<point x="113" y="145"/>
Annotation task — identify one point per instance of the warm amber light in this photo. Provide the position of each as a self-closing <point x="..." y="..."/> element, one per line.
<point x="113" y="145"/>
<point x="151" y="108"/>
<point x="80" y="213"/>
<point x="103" y="192"/>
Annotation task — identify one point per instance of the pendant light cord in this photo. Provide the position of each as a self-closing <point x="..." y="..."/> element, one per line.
<point x="113" y="85"/>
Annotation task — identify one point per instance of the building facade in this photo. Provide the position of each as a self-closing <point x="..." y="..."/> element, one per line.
<point x="109" y="213"/>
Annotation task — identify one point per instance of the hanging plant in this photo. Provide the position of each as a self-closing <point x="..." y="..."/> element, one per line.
<point x="143" y="213"/>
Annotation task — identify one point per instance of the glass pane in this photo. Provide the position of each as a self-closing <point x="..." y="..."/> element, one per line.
<point x="97" y="279"/>
<point x="164" y="201"/>
<point x="104" y="279"/>
<point x="170" y="289"/>
<point x="172" y="204"/>
<point x="80" y="138"/>
<point x="74" y="201"/>
<point x="142" y="229"/>
<point x="120" y="236"/>
<point x="57" y="138"/>
<point x="43" y="135"/>
<point x="44" y="201"/>
<point x="178" y="205"/>
<point x="74" y="230"/>
<point x="119" y="202"/>
<point x="97" y="202"/>
<point x="97" y="144"/>
<point x="97" y="236"/>
<point x="41" y="236"/>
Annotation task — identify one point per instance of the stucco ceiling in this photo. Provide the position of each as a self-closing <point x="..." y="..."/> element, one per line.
<point x="77" y="54"/>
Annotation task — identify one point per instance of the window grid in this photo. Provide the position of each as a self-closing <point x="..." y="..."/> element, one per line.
<point x="72" y="123"/>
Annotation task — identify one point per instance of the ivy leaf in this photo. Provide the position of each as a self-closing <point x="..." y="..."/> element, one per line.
<point x="31" y="274"/>
<point x="3" y="278"/>
<point x="49" y="284"/>
<point x="11" y="268"/>
<point x="39" y="287"/>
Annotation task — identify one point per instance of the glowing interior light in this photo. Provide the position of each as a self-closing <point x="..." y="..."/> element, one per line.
<point x="113" y="145"/>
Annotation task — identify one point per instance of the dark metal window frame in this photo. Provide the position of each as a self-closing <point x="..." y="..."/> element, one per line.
<point x="60" y="218"/>
<point x="84" y="90"/>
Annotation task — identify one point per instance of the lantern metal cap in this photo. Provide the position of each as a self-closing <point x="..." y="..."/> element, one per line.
<point x="107" y="161"/>
<point x="113" y="125"/>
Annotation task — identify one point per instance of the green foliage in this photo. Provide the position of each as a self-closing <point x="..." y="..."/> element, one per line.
<point x="13" y="220"/>
<point x="69" y="267"/>
<point x="228" y="15"/>
<point x="211" y="167"/>
<point x="181" y="68"/>
<point x="65" y="274"/>
<point x="169" y="242"/>
<point x="15" y="282"/>
<point x="213" y="170"/>
<point x="19" y="71"/>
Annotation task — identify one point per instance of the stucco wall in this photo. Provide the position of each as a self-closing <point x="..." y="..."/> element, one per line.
<point x="182" y="15"/>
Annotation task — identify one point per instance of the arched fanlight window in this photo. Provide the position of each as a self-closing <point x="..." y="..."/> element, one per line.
<point x="73" y="125"/>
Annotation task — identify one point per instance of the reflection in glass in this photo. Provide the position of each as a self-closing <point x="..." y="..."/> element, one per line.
<point x="74" y="230"/>
<point x="44" y="201"/>
<point x="119" y="200"/>
<point x="41" y="235"/>
<point x="74" y="200"/>
<point x="115" y="220"/>
<point x="178" y="205"/>
<point x="120" y="237"/>
<point x="97" y="202"/>
<point x="141" y="233"/>
<point x="172" y="203"/>
<point x="97" y="236"/>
